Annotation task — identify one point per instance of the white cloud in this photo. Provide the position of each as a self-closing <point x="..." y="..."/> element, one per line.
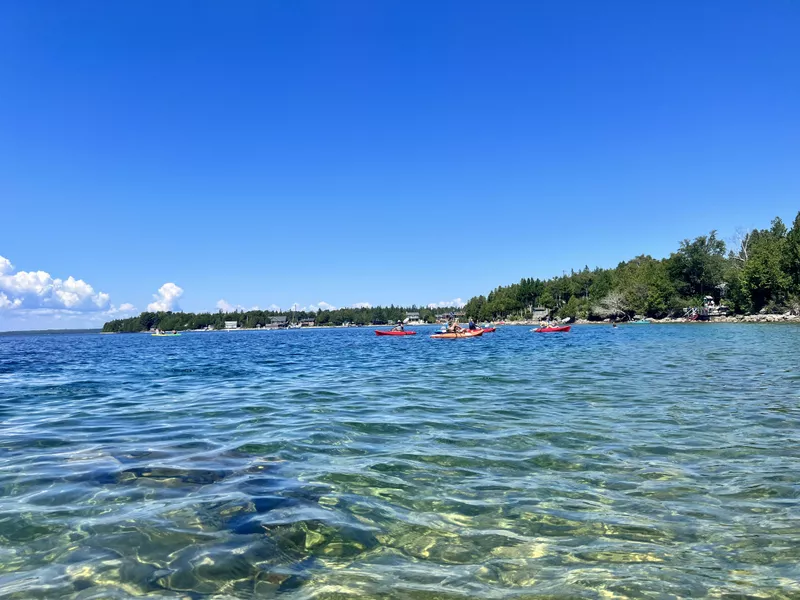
<point x="361" y="305"/>
<point x="166" y="299"/>
<point x="317" y="307"/>
<point x="120" y="311"/>
<point x="457" y="302"/>
<point x="225" y="306"/>
<point x="5" y="265"/>
<point x="7" y="303"/>
<point x="273" y="307"/>
<point x="35" y="290"/>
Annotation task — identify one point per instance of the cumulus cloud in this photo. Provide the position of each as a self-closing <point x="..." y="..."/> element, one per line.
<point x="225" y="306"/>
<point x="316" y="307"/>
<point x="457" y="302"/>
<point x="274" y="307"/>
<point x="166" y="299"/>
<point x="38" y="290"/>
<point x="5" y="265"/>
<point x="8" y="303"/>
<point x="361" y="305"/>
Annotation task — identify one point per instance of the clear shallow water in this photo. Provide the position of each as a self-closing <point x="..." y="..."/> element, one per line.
<point x="657" y="461"/>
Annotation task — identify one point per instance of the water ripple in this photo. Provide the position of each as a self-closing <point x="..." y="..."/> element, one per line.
<point x="655" y="461"/>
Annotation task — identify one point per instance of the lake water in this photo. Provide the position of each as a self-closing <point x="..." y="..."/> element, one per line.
<point x="656" y="461"/>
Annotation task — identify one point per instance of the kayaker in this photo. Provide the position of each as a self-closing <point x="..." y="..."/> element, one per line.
<point x="472" y="325"/>
<point x="398" y="327"/>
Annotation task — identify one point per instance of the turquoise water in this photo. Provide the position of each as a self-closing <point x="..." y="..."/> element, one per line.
<point x="645" y="461"/>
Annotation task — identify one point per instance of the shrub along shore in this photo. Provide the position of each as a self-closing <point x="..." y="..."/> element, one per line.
<point x="757" y="272"/>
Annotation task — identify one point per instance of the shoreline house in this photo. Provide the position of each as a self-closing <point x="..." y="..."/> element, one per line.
<point x="540" y="313"/>
<point x="277" y="323"/>
<point x="307" y="322"/>
<point x="230" y="325"/>
<point x="444" y="317"/>
<point x="413" y="318"/>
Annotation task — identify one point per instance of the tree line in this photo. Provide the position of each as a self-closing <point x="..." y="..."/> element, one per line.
<point x="180" y="321"/>
<point x="760" y="271"/>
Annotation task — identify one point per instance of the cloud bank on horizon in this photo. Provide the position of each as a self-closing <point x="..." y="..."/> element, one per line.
<point x="227" y="307"/>
<point x="39" y="293"/>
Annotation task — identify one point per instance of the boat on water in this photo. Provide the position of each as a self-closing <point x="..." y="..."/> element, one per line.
<point x="488" y="329"/>
<point x="461" y="334"/>
<point x="562" y="328"/>
<point x="641" y="322"/>
<point x="395" y="333"/>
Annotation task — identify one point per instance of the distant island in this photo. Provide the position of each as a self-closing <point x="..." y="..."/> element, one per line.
<point x="760" y="272"/>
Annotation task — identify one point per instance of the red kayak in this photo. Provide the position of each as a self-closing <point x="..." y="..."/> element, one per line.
<point x="489" y="329"/>
<point x="395" y="332"/>
<point x="552" y="329"/>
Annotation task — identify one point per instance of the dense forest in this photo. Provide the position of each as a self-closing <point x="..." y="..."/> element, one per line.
<point x="759" y="272"/>
<point x="254" y="318"/>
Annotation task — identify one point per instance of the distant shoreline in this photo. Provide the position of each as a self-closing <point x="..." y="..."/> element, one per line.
<point x="767" y="318"/>
<point x="51" y="331"/>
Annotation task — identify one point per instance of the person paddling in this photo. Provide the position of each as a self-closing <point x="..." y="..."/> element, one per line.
<point x="398" y="327"/>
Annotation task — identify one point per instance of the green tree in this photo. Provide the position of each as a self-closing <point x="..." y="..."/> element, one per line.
<point x="763" y="277"/>
<point x="698" y="266"/>
<point x="791" y="256"/>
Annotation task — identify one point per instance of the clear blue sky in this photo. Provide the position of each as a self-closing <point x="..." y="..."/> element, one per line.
<point x="274" y="152"/>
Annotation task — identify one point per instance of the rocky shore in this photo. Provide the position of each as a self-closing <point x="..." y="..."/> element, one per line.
<point x="758" y="318"/>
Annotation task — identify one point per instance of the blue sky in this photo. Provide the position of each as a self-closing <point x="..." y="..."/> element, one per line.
<point x="268" y="153"/>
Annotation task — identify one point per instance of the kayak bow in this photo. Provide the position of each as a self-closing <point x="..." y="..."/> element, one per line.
<point x="564" y="328"/>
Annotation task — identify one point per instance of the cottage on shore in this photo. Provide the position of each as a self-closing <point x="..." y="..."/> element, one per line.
<point x="277" y="323"/>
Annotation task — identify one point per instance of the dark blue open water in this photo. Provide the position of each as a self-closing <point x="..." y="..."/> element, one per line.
<point x="646" y="461"/>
